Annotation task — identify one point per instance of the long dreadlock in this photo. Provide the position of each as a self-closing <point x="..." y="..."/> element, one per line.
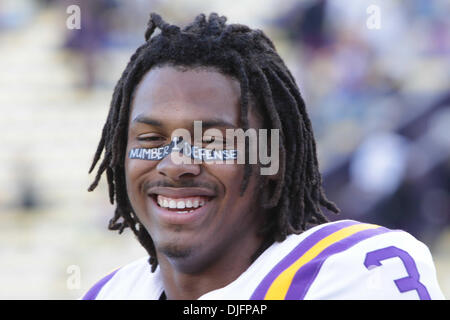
<point x="250" y="57"/>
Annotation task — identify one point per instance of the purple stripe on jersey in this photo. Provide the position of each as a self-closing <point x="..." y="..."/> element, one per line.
<point x="296" y="253"/>
<point x="93" y="292"/>
<point x="306" y="275"/>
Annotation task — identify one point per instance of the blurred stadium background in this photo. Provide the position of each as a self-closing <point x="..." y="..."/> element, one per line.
<point x="379" y="100"/>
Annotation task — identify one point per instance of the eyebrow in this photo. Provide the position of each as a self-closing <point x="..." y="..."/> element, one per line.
<point x="210" y="123"/>
<point x="217" y="123"/>
<point x="147" y="120"/>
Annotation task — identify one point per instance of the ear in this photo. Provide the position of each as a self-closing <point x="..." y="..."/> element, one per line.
<point x="270" y="154"/>
<point x="271" y="187"/>
<point x="267" y="190"/>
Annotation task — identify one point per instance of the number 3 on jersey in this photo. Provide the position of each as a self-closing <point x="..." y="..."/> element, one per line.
<point x="411" y="282"/>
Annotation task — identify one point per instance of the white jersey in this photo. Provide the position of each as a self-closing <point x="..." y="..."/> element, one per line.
<point x="337" y="260"/>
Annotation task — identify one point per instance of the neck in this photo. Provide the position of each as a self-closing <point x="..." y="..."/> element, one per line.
<point x="195" y="276"/>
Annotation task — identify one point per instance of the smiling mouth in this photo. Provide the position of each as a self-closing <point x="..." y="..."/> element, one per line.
<point x="181" y="205"/>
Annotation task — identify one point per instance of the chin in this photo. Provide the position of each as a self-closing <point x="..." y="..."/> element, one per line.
<point x="176" y="251"/>
<point x="183" y="257"/>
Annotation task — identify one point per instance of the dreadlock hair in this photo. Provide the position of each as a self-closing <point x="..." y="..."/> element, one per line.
<point x="250" y="57"/>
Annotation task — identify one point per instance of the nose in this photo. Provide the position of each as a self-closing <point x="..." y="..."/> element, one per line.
<point x="175" y="170"/>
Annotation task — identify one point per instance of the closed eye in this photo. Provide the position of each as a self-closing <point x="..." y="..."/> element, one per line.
<point x="151" y="141"/>
<point x="213" y="142"/>
<point x="209" y="140"/>
<point x="152" y="138"/>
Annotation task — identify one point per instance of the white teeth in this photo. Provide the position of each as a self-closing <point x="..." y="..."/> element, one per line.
<point x="182" y="212"/>
<point x="180" y="205"/>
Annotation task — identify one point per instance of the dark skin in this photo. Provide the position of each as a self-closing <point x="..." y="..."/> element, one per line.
<point x="211" y="250"/>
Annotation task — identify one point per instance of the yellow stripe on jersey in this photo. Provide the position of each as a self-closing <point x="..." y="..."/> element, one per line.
<point x="280" y="286"/>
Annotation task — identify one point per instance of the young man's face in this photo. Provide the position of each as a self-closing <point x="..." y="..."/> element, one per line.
<point x="167" y="99"/>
